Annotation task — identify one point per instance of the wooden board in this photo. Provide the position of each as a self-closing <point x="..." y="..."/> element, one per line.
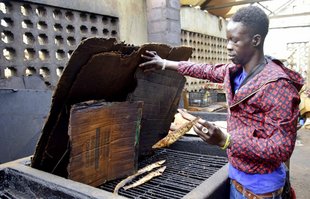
<point x="161" y="92"/>
<point x="104" y="141"/>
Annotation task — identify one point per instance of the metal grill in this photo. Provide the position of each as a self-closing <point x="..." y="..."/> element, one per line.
<point x="184" y="172"/>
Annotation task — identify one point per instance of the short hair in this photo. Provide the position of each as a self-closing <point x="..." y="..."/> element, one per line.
<point x="254" y="18"/>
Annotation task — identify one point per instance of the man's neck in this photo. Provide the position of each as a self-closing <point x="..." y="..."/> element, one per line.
<point x="254" y="62"/>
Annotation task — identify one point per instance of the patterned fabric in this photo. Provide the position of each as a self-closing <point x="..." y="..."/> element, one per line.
<point x="262" y="116"/>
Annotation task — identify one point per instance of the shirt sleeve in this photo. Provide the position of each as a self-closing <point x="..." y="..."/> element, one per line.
<point x="279" y="126"/>
<point x="214" y="73"/>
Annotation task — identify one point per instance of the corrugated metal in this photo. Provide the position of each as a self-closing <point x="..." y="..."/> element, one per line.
<point x="192" y="2"/>
<point x="223" y="8"/>
<point x="204" y="4"/>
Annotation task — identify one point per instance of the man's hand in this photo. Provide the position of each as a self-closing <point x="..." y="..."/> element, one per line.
<point x="206" y="131"/>
<point x="154" y="61"/>
<point x="210" y="133"/>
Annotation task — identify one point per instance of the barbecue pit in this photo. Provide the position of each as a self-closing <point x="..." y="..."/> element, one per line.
<point x="194" y="170"/>
<point x="188" y="175"/>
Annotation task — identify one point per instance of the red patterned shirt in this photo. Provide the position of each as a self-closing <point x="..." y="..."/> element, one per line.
<point x="262" y="115"/>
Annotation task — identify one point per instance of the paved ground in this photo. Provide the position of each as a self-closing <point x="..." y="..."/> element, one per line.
<point x="300" y="165"/>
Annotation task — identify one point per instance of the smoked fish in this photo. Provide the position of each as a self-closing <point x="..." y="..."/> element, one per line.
<point x="146" y="178"/>
<point x="139" y="172"/>
<point x="173" y="136"/>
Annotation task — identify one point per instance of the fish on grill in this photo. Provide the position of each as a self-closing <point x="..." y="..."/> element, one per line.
<point x="140" y="172"/>
<point x="173" y="136"/>
<point x="146" y="178"/>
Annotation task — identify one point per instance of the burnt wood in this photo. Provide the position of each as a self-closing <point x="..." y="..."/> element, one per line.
<point x="105" y="69"/>
<point x="104" y="140"/>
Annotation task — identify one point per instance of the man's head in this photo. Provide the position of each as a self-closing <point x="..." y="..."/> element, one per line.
<point x="246" y="32"/>
<point x="254" y="18"/>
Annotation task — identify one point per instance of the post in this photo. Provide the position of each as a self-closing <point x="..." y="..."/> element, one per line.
<point x="163" y="18"/>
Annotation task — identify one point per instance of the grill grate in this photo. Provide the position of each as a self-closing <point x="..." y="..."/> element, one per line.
<point x="184" y="172"/>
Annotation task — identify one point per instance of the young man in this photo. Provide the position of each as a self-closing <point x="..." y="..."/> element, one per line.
<point x="263" y="106"/>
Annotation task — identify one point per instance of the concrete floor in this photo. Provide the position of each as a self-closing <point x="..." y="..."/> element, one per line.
<point x="300" y="165"/>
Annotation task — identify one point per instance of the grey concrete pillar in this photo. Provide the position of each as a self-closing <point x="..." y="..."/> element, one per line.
<point x="163" y="18"/>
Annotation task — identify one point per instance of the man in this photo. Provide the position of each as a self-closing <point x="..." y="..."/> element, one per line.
<point x="263" y="106"/>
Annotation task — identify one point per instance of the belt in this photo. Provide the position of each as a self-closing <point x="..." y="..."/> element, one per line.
<point x="250" y="195"/>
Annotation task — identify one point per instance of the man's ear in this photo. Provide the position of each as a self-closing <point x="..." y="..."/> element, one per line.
<point x="256" y="40"/>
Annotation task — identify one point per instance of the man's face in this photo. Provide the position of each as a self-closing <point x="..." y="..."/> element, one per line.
<point x="239" y="43"/>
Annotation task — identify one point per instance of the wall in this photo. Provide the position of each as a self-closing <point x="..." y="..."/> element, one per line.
<point x="131" y="13"/>
<point x="133" y="22"/>
<point x="198" y="21"/>
<point x="164" y="21"/>
<point x="96" y="6"/>
<point x="206" y="34"/>
<point x="22" y="114"/>
<point x="38" y="39"/>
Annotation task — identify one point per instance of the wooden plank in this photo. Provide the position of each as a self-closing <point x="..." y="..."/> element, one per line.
<point x="104" y="141"/>
<point x="161" y="92"/>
